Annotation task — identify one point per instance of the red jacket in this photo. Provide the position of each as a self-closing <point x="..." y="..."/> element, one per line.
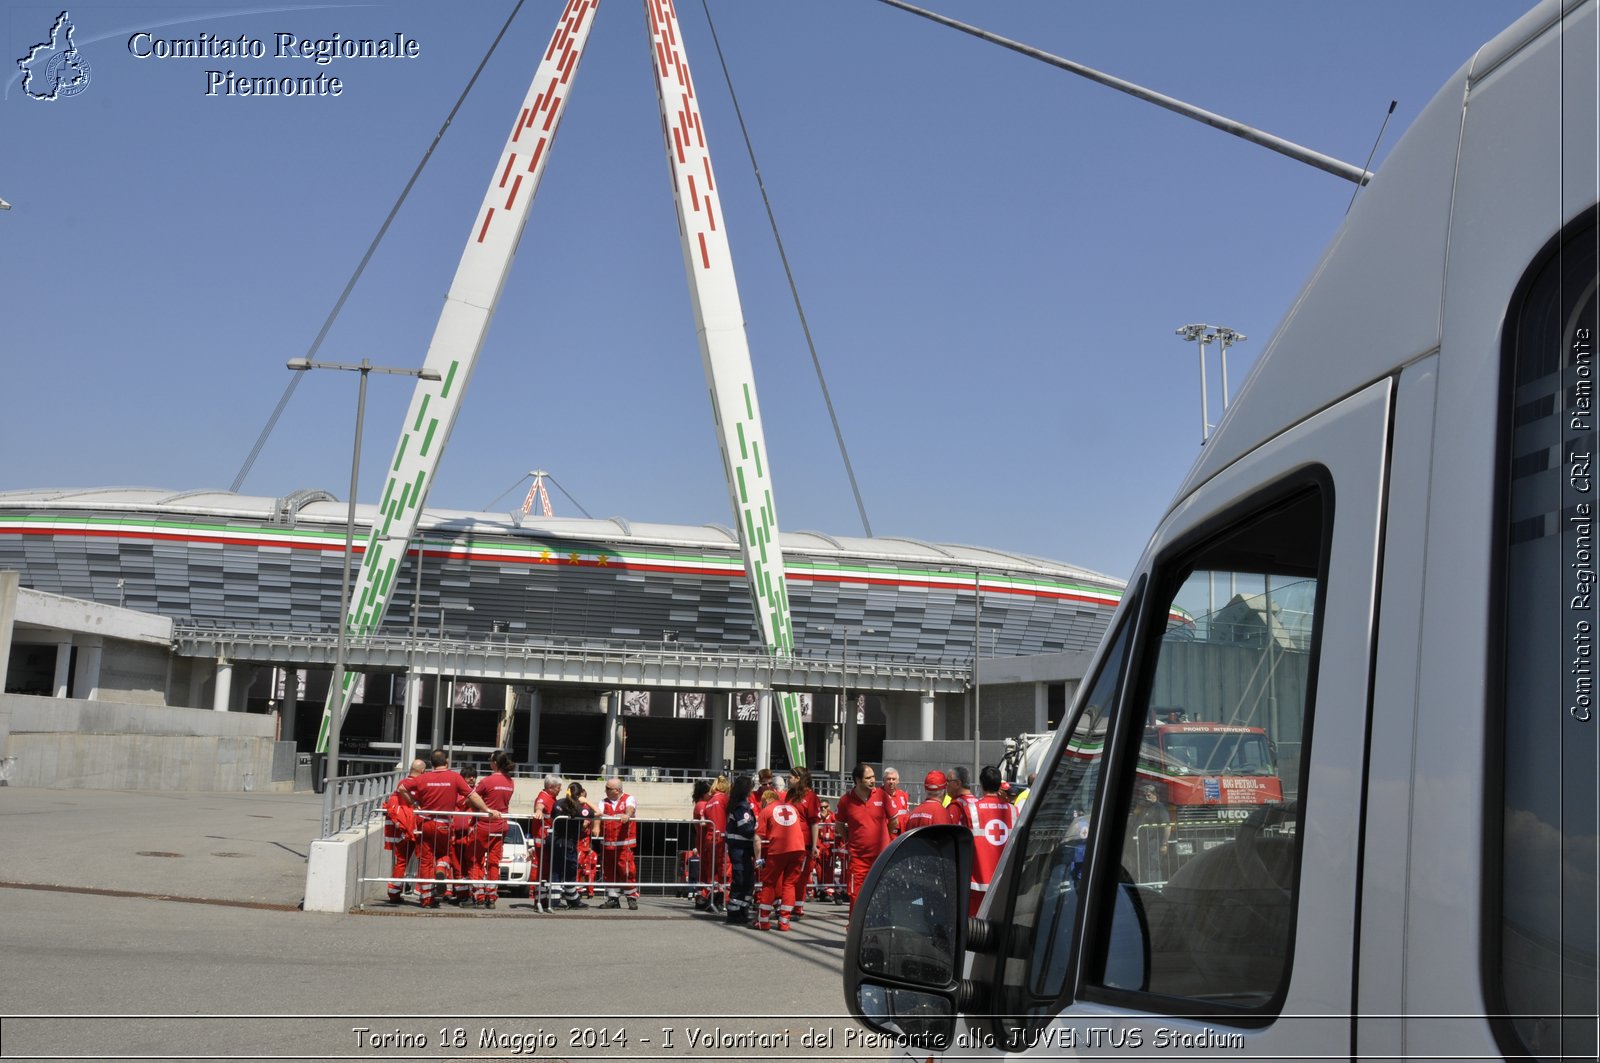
<point x="782" y="829"/>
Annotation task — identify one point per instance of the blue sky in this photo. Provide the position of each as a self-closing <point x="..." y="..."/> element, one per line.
<point x="992" y="254"/>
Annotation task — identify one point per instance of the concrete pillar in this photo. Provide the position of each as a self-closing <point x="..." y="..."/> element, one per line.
<point x="289" y="704"/>
<point x="613" y="727"/>
<point x="764" y="730"/>
<point x="925" y="731"/>
<point x="506" y="729"/>
<point x="717" y="731"/>
<point x="63" y="681"/>
<point x="223" y="693"/>
<point x="245" y="678"/>
<point x="8" y="617"/>
<point x="408" y="731"/>
<point x="86" y="678"/>
<point x="197" y="684"/>
<point x="436" y="739"/>
<point x="535" y="710"/>
<point x="1041" y="707"/>
<point x="849" y="709"/>
<point x="833" y="751"/>
<point x="729" y="747"/>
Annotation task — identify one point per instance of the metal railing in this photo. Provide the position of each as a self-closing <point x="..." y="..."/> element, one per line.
<point x="648" y="663"/>
<point x="351" y="800"/>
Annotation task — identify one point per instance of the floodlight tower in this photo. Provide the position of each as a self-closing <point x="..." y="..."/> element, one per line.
<point x="1202" y="335"/>
<point x="1225" y="337"/>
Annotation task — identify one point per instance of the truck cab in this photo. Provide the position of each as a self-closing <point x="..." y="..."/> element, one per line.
<point x="1418" y="495"/>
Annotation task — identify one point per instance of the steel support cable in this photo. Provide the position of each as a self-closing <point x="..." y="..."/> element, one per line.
<point x="553" y="480"/>
<point x="564" y="491"/>
<point x="311" y="352"/>
<point x="794" y="291"/>
<point x="1300" y="153"/>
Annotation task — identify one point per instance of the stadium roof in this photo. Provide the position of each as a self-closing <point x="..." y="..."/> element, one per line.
<point x="314" y="506"/>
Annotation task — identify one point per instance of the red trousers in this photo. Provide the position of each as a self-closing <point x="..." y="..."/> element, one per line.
<point x="403" y="850"/>
<point x="616" y="866"/>
<point x="434" y="843"/>
<point x="483" y="862"/>
<point x="714" y="860"/>
<point x="856" y="874"/>
<point x="780" y="883"/>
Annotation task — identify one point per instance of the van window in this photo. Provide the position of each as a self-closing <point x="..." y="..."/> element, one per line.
<point x="1550" y="853"/>
<point x="1035" y="983"/>
<point x="1207" y="830"/>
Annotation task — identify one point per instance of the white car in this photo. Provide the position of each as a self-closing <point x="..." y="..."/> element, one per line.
<point x="514" y="865"/>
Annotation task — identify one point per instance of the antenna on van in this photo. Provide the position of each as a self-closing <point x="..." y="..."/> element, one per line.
<point x="1373" y="152"/>
<point x="1327" y="163"/>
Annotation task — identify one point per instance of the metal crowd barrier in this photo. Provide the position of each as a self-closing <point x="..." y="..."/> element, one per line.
<point x="667" y="859"/>
<point x="413" y="879"/>
<point x="664" y="853"/>
<point x="351" y="800"/>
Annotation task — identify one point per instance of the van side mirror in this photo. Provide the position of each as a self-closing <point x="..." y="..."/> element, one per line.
<point x="907" y="939"/>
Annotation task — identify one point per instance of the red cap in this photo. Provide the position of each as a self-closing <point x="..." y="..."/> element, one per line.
<point x="934" y="781"/>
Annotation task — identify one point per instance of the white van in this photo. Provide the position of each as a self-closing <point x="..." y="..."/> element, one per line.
<point x="1400" y="511"/>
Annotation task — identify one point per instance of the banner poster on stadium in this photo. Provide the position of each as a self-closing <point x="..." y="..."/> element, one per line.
<point x="636" y="703"/>
<point x="746" y="706"/>
<point x="690" y="705"/>
<point x="468" y="696"/>
<point x="805" y="707"/>
<point x="280" y="683"/>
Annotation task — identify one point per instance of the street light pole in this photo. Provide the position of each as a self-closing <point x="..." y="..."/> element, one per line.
<point x="450" y="741"/>
<point x="1204" y="334"/>
<point x="1226" y="337"/>
<point x="977" y="685"/>
<point x="341" y="649"/>
<point x="847" y="720"/>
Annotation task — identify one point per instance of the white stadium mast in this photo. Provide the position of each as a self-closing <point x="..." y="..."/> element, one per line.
<point x="480" y="277"/>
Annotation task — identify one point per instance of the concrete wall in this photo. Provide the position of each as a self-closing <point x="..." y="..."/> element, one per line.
<point x="335" y="867"/>
<point x="105" y="745"/>
<point x="133" y="673"/>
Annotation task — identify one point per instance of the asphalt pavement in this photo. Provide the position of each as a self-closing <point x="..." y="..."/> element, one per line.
<point x="165" y="926"/>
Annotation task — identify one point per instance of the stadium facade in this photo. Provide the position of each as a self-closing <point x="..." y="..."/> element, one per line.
<point x="264" y="563"/>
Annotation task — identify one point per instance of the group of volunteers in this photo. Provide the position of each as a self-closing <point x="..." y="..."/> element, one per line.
<point x="454" y="827"/>
<point x="764" y="849"/>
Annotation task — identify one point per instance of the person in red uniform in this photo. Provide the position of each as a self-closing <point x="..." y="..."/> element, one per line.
<point x="865" y="819"/>
<point x="766" y="884"/>
<point x="959" y="795"/>
<point x="694" y="862"/>
<point x="541" y="862"/>
<point x="588" y="862"/>
<point x="463" y="843"/>
<point x="782" y="838"/>
<point x="436" y="791"/>
<point x="619" y="838"/>
<point x="994" y="817"/>
<point x="805" y="801"/>
<point x="896" y="800"/>
<point x="400" y="833"/>
<point x="713" y="843"/>
<point x="827" y="852"/>
<point x="496" y="789"/>
<point x="933" y="809"/>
